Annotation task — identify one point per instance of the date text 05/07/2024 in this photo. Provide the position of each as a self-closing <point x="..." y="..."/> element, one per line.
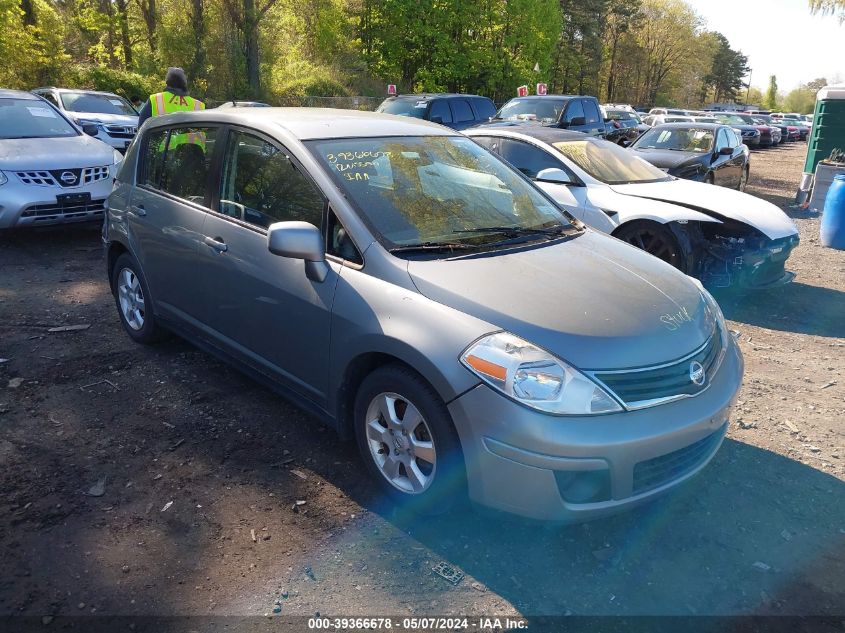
<point x="476" y="624"/>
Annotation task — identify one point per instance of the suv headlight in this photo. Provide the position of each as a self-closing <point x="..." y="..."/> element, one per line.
<point x="117" y="157"/>
<point x="81" y="122"/>
<point x="534" y="377"/>
<point x="3" y="178"/>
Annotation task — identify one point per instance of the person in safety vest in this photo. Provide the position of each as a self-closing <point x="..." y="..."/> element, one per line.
<point x="174" y="98"/>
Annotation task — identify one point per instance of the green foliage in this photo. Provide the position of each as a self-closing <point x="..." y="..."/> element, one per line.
<point x="771" y="101"/>
<point x="727" y="70"/>
<point x="801" y="100"/>
<point x="639" y="51"/>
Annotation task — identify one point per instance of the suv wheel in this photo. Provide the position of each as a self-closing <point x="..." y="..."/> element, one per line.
<point x="407" y="440"/>
<point x="132" y="297"/>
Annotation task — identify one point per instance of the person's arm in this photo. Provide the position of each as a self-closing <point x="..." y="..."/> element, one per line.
<point x="145" y="113"/>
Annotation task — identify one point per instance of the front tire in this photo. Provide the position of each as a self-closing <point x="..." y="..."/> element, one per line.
<point x="655" y="239"/>
<point x="743" y="179"/>
<point x="408" y="442"/>
<point x="134" y="305"/>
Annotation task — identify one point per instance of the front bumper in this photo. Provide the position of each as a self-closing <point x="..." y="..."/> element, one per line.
<point x="24" y="205"/>
<point x="733" y="264"/>
<point x="573" y="469"/>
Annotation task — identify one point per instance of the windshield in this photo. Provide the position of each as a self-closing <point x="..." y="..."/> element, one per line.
<point x="609" y="163"/>
<point x="31" y="118"/>
<point x="678" y="139"/>
<point x="731" y="119"/>
<point x="544" y="110"/>
<point x="429" y="190"/>
<point x="405" y="107"/>
<point x="96" y="103"/>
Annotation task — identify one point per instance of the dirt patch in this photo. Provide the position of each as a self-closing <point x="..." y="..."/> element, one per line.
<point x="201" y="467"/>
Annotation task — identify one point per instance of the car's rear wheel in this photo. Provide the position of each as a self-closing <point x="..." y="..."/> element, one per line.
<point x="655" y="239"/>
<point x="743" y="179"/>
<point x="407" y="440"/>
<point x="132" y="297"/>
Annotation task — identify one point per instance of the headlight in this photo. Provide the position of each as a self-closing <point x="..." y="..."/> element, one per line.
<point x="534" y="377"/>
<point x="81" y="122"/>
<point x="3" y="179"/>
<point x="116" y="157"/>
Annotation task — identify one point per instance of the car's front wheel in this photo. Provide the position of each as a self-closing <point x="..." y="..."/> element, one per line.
<point x="407" y="440"/>
<point x="656" y="239"/>
<point x="743" y="179"/>
<point x="132" y="297"/>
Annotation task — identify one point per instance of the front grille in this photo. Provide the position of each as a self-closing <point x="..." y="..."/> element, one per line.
<point x="67" y="210"/>
<point x="642" y="387"/>
<point x="661" y="470"/>
<point x="64" y="177"/>
<point x="120" y="131"/>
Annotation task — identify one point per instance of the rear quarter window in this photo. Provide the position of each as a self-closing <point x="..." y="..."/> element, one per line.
<point x="484" y="108"/>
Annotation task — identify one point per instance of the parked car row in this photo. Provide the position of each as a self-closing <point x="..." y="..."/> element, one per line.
<point x="360" y="249"/>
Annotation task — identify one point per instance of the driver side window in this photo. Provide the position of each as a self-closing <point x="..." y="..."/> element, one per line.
<point x="573" y="110"/>
<point x="722" y="140"/>
<point x="528" y="159"/>
<point x="261" y="185"/>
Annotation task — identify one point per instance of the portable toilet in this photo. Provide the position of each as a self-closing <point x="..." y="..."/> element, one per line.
<point x="828" y="132"/>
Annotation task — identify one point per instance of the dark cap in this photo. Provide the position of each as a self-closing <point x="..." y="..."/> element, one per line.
<point x="176" y="78"/>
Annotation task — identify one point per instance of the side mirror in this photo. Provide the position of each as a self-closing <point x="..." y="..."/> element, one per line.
<point x="578" y="120"/>
<point x="436" y="119"/>
<point x="90" y="129"/>
<point x="726" y="151"/>
<point x="300" y="240"/>
<point x="553" y="174"/>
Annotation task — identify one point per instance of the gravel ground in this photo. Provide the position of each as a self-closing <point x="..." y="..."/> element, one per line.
<point x="156" y="480"/>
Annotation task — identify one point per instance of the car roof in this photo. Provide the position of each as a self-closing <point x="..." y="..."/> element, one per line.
<point x="312" y="123"/>
<point x="6" y="93"/>
<point x="691" y="124"/>
<point x="434" y="95"/>
<point x="539" y="132"/>
<point x="94" y="92"/>
<point x="533" y="97"/>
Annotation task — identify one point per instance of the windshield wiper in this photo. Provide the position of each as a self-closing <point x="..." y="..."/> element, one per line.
<point x="435" y="247"/>
<point x="516" y="231"/>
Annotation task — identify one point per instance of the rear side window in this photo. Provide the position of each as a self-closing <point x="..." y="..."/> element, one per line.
<point x="461" y="111"/>
<point x="177" y="161"/>
<point x="50" y="97"/>
<point x="440" y="108"/>
<point x="261" y="185"/>
<point x="484" y="108"/>
<point x="574" y="110"/>
<point x="591" y="111"/>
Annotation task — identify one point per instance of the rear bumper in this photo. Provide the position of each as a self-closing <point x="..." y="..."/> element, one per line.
<point x="576" y="469"/>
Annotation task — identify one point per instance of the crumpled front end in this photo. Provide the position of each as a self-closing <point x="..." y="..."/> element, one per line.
<point x="732" y="254"/>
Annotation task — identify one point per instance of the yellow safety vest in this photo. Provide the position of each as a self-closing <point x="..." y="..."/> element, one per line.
<point x="167" y="103"/>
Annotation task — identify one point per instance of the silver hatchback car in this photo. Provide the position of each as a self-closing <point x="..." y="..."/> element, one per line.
<point x="50" y="172"/>
<point x="420" y="295"/>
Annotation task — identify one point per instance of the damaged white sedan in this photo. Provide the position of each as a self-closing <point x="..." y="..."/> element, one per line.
<point x="721" y="236"/>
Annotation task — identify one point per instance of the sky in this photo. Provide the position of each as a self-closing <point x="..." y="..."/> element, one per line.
<point x="779" y="37"/>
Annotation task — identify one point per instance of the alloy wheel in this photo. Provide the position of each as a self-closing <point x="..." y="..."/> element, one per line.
<point x="131" y="298"/>
<point x="401" y="443"/>
<point x="654" y="242"/>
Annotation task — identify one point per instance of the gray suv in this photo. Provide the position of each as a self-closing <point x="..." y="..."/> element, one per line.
<point x="415" y="292"/>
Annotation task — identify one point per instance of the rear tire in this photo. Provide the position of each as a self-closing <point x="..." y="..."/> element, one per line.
<point x="655" y="239"/>
<point x="408" y="441"/>
<point x="134" y="302"/>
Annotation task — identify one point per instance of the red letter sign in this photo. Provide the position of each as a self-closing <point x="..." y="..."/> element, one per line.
<point x="391" y="89"/>
<point x="541" y="89"/>
<point x="522" y="91"/>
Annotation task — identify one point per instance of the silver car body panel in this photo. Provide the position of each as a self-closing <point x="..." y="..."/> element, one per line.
<point x="590" y="299"/>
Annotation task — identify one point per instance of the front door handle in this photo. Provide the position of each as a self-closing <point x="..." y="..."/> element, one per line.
<point x="216" y="243"/>
<point x="137" y="209"/>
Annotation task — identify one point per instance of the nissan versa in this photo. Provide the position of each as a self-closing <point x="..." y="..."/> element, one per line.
<point x="420" y="295"/>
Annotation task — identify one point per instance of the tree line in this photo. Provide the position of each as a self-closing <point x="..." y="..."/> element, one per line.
<point x="643" y="52"/>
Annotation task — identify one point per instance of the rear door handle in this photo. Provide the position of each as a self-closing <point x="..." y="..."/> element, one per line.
<point x="137" y="209"/>
<point x="216" y="243"/>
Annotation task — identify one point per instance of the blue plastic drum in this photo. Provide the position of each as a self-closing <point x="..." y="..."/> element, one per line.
<point x="833" y="217"/>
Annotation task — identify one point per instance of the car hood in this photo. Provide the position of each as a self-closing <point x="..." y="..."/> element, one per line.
<point x="67" y="152"/>
<point x="729" y="203"/>
<point x="119" y="119"/>
<point x="666" y="158"/>
<point x="592" y="300"/>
